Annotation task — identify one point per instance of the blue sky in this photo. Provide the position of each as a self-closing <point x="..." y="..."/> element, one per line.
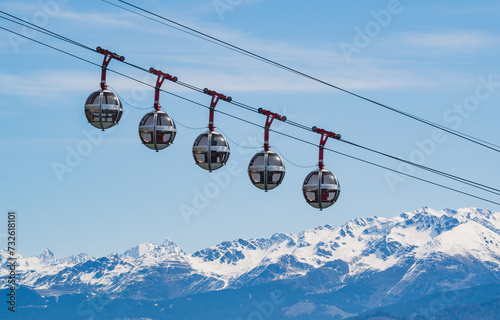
<point x="428" y="59"/>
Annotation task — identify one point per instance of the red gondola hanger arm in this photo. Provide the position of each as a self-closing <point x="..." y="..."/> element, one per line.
<point x="159" y="81"/>
<point x="324" y="137"/>
<point x="215" y="99"/>
<point x="270" y="118"/>
<point x="108" y="55"/>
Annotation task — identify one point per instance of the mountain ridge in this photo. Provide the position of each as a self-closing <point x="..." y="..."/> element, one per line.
<point x="365" y="265"/>
<point x="412" y="242"/>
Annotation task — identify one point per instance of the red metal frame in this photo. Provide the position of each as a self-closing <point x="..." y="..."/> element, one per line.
<point x="108" y="55"/>
<point x="324" y="137"/>
<point x="159" y="81"/>
<point x="215" y="99"/>
<point x="270" y="118"/>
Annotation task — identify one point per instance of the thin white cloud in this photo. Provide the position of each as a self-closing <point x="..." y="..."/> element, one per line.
<point x="220" y="8"/>
<point x="231" y="71"/>
<point x="461" y="41"/>
<point x="234" y="77"/>
<point x="465" y="8"/>
<point x="62" y="84"/>
<point x="46" y="83"/>
<point x="21" y="7"/>
<point x="97" y="19"/>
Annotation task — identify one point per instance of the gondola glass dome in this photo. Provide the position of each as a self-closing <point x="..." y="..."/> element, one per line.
<point x="157" y="130"/>
<point x="266" y="170"/>
<point x="103" y="109"/>
<point x="211" y="150"/>
<point x="321" y="189"/>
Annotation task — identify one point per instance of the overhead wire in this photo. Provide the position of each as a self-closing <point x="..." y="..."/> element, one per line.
<point x="450" y="176"/>
<point x="242" y="105"/>
<point x="480" y="186"/>
<point x="291" y="162"/>
<point x="188" y="127"/>
<point x="60" y="37"/>
<point x="464" y="181"/>
<point x="204" y="36"/>
<point x="389" y="169"/>
<point x="178" y="29"/>
<point x="125" y="101"/>
<point x="236" y="143"/>
<point x="362" y="160"/>
<point x="42" y="30"/>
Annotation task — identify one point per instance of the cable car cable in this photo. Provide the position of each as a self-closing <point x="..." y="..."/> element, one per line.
<point x="42" y="30"/>
<point x="239" y="145"/>
<point x="181" y="30"/>
<point x="60" y="37"/>
<point x="240" y="50"/>
<point x="366" y="161"/>
<point x="188" y="127"/>
<point x="124" y="101"/>
<point x="292" y="163"/>
<point x="392" y="170"/>
<point x="469" y="182"/>
<point x="54" y="48"/>
<point x="480" y="186"/>
<point x="249" y="122"/>
<point x="477" y="185"/>
<point x="362" y="160"/>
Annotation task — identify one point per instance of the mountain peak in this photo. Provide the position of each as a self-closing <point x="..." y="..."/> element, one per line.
<point x="46" y="254"/>
<point x="168" y="242"/>
<point x="149" y="249"/>
<point x="171" y="247"/>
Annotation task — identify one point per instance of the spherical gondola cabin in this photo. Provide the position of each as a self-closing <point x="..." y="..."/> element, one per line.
<point x="103" y="109"/>
<point x="211" y="150"/>
<point x="321" y="189"/>
<point x="157" y="130"/>
<point x="266" y="170"/>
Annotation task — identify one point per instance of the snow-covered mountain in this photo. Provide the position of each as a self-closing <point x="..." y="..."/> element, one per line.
<point x="415" y="253"/>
